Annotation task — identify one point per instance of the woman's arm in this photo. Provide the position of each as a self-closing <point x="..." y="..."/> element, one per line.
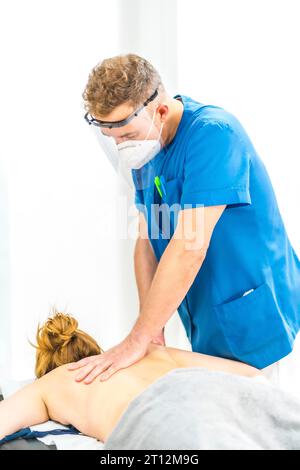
<point x="22" y="409"/>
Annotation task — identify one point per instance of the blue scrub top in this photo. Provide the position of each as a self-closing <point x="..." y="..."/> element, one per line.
<point x="211" y="161"/>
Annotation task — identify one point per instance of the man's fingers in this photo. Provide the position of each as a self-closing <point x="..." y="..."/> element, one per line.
<point x="95" y="372"/>
<point x="109" y="372"/>
<point x="82" y="374"/>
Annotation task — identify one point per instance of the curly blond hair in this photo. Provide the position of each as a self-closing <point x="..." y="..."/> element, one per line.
<point x="125" y="78"/>
<point x="59" y="341"/>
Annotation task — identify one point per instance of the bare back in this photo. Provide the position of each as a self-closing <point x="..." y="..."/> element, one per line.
<point x="95" y="408"/>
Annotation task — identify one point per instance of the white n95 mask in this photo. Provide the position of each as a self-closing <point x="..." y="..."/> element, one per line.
<point x="136" y="153"/>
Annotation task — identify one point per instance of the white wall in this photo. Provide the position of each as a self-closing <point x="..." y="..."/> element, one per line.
<point x="244" y="56"/>
<point x="60" y="187"/>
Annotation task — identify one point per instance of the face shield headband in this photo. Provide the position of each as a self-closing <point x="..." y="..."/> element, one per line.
<point x="111" y="124"/>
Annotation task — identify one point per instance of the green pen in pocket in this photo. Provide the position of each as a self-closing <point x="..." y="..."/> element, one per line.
<point x="158" y="185"/>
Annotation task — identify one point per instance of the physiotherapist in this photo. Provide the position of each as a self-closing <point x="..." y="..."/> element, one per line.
<point x="212" y="243"/>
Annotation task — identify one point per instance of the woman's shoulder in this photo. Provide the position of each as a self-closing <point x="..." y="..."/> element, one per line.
<point x="54" y="372"/>
<point x="54" y="377"/>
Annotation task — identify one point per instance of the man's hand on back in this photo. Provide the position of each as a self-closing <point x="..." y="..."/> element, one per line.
<point x="130" y="350"/>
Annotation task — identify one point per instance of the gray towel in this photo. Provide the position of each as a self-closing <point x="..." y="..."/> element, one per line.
<point x="195" y="408"/>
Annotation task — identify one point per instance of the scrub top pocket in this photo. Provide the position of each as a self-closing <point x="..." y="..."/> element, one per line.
<point x="169" y="207"/>
<point x="173" y="191"/>
<point x="254" y="328"/>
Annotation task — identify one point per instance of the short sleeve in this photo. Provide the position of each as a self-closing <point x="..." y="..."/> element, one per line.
<point x="217" y="167"/>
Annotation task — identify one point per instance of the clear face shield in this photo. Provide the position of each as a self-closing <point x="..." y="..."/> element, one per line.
<point x="131" y="144"/>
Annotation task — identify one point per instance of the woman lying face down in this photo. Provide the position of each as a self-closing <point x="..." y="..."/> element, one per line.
<point x="94" y="408"/>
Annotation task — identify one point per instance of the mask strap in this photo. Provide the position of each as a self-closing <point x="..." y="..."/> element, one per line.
<point x="161" y="128"/>
<point x="151" y="123"/>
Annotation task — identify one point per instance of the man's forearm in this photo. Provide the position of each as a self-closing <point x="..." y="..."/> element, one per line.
<point x="174" y="275"/>
<point x="145" y="264"/>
